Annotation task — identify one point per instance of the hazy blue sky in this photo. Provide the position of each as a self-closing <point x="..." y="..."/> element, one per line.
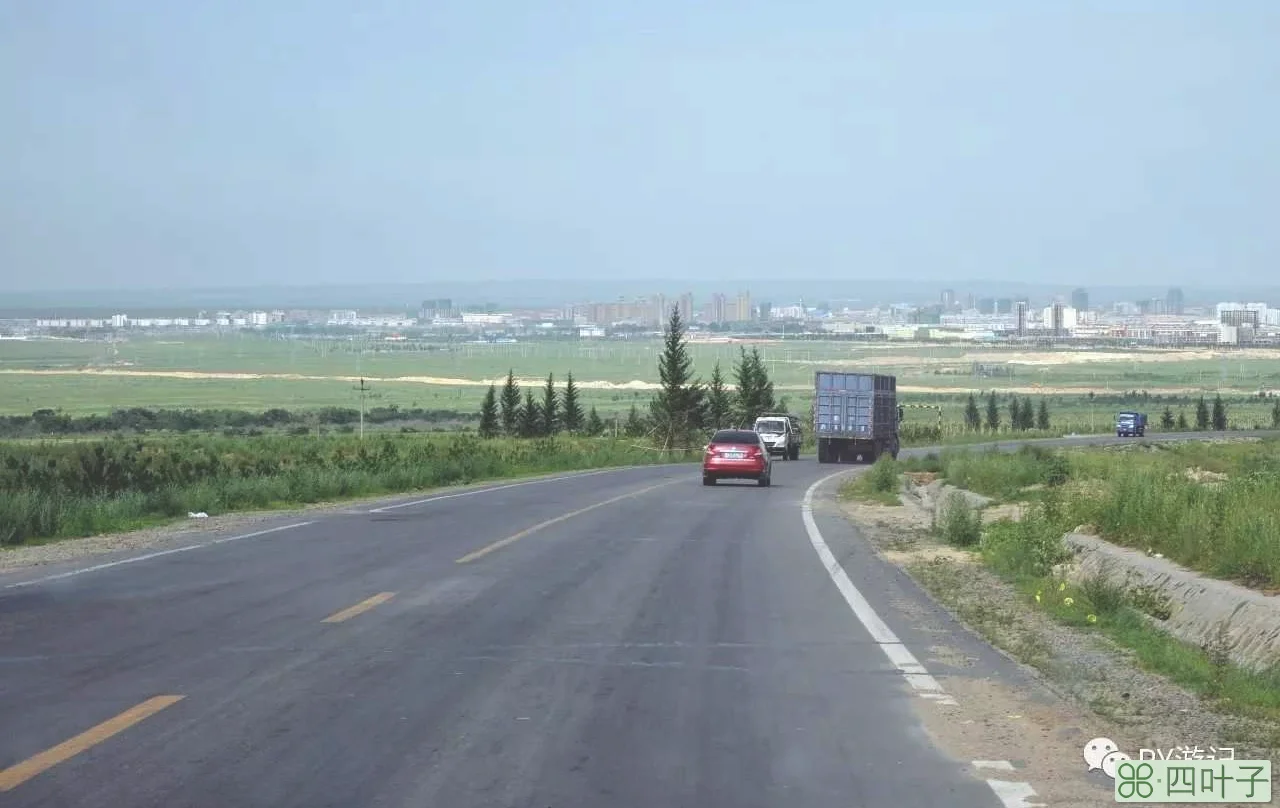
<point x="198" y="143"/>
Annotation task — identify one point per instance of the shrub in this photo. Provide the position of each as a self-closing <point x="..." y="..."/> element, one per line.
<point x="1029" y="548"/>
<point x="961" y="524"/>
<point x="884" y="475"/>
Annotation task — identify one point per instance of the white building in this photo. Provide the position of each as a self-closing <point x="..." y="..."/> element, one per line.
<point x="1069" y="317"/>
<point x="477" y="318"/>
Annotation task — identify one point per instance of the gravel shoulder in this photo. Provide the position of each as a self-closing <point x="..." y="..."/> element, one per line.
<point x="58" y="551"/>
<point x="1093" y="686"/>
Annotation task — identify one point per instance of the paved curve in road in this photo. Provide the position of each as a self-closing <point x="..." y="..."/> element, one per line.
<point x="627" y="638"/>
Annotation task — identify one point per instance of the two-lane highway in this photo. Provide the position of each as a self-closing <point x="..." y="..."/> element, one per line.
<point x="626" y="638"/>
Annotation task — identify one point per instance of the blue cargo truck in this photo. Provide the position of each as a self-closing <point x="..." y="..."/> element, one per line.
<point x="1131" y="425"/>
<point x="855" y="416"/>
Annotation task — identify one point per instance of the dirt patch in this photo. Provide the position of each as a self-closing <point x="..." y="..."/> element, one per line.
<point x="890" y="527"/>
<point x="586" y="384"/>
<point x="928" y="553"/>
<point x="1044" y="742"/>
<point x="1038" y="358"/>
<point x="1199" y="475"/>
<point x="921" y="478"/>
<point x="1013" y="511"/>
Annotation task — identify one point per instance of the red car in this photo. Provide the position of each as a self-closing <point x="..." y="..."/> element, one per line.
<point x="737" y="454"/>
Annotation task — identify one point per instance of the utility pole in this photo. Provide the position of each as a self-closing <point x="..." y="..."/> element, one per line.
<point x="364" y="390"/>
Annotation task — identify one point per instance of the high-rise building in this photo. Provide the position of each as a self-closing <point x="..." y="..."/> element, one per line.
<point x="948" y="298"/>
<point x="1020" y="310"/>
<point x="1239" y="317"/>
<point x="686" y="307"/>
<point x="1174" y="301"/>
<point x="661" y="311"/>
<point x="743" y="309"/>
<point x="1080" y="300"/>
<point x="715" y="312"/>
<point x="443" y="307"/>
<point x="1057" y="319"/>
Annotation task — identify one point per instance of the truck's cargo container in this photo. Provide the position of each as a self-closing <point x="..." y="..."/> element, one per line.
<point x="855" y="416"/>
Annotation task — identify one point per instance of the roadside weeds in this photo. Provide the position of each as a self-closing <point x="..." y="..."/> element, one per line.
<point x="1144" y="688"/>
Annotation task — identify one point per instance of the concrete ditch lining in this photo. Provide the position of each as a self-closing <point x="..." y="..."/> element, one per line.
<point x="1195" y="608"/>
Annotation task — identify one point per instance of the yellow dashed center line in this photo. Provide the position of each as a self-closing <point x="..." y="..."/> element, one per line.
<point x="360" y="608"/>
<point x="19" y="773"/>
<point x="498" y="545"/>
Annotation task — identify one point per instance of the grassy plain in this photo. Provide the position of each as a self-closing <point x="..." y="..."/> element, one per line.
<point x="251" y="371"/>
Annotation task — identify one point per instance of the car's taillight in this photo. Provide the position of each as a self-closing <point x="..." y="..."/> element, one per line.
<point x="712" y="448"/>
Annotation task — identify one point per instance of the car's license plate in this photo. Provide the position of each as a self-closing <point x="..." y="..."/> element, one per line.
<point x="734" y="455"/>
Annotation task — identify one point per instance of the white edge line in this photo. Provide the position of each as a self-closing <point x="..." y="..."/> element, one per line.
<point x="157" y="554"/>
<point x="1002" y="765"/>
<point x="1014" y="795"/>
<point x="898" y="653"/>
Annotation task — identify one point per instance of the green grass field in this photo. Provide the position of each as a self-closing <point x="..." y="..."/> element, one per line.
<point x="920" y="369"/>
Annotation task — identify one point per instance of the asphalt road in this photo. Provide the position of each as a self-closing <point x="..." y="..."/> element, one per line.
<point x="627" y="638"/>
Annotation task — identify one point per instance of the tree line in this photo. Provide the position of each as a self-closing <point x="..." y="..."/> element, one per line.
<point x="683" y="409"/>
<point x="142" y="420"/>
<point x="1209" y="416"/>
<point x="1023" y="414"/>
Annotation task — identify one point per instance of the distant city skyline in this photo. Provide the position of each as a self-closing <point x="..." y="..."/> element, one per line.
<point x="557" y="292"/>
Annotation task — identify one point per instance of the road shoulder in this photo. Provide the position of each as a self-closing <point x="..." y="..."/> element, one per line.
<point x="56" y="556"/>
<point x="1057" y="688"/>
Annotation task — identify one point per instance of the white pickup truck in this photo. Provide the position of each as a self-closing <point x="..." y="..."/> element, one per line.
<point x="781" y="433"/>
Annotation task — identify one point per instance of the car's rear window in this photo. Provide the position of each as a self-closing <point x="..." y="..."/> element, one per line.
<point x="735" y="436"/>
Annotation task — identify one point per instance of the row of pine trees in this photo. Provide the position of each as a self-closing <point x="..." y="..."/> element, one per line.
<point x="683" y="410"/>
<point x="1023" y="415"/>
<point x="515" y="416"/>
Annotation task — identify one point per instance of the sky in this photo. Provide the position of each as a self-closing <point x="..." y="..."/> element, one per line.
<point x="199" y="143"/>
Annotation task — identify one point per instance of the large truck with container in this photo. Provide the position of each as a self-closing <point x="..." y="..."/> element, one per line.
<point x="855" y="416"/>
<point x="1131" y="425"/>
